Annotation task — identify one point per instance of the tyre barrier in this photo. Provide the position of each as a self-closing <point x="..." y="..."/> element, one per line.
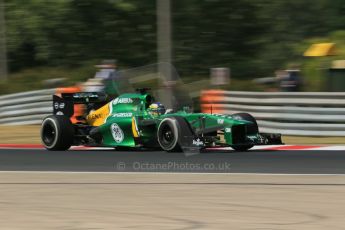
<point x="288" y="113"/>
<point x="27" y="108"/>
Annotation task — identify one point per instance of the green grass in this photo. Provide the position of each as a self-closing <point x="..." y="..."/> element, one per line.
<point x="314" y="140"/>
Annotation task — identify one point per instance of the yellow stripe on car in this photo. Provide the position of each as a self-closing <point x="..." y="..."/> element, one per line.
<point x="134" y="128"/>
<point x="98" y="117"/>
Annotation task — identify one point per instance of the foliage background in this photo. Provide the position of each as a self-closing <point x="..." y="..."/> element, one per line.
<point x="65" y="38"/>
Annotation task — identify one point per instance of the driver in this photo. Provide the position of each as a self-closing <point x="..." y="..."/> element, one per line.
<point x="156" y="109"/>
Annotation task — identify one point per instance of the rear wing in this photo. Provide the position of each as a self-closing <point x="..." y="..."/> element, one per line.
<point x="84" y="97"/>
<point x="64" y="104"/>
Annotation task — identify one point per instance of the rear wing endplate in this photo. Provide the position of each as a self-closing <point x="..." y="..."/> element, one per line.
<point x="64" y="104"/>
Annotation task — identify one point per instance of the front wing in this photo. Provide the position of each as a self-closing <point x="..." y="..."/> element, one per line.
<point x="192" y="144"/>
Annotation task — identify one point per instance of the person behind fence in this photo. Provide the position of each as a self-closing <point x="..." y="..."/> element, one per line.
<point x="290" y="80"/>
<point x="107" y="73"/>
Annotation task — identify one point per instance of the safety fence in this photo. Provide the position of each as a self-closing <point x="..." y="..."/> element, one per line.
<point x="26" y="108"/>
<point x="288" y="113"/>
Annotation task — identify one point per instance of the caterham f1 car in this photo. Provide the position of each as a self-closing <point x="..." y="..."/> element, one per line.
<point x="135" y="120"/>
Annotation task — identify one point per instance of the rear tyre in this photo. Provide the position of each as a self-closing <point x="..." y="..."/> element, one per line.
<point x="124" y="148"/>
<point x="251" y="129"/>
<point x="170" y="133"/>
<point x="241" y="148"/>
<point x="57" y="133"/>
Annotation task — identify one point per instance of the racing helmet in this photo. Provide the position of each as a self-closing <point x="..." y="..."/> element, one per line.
<point x="156" y="109"/>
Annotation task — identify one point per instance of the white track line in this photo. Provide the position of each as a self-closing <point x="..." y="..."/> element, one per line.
<point x="334" y="148"/>
<point x="170" y="173"/>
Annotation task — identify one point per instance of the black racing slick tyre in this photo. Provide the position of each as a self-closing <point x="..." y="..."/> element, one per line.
<point x="170" y="133"/>
<point x="254" y="128"/>
<point x="57" y="132"/>
<point x="241" y="148"/>
<point x="251" y="129"/>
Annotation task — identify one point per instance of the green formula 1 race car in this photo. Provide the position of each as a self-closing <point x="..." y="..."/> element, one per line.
<point x="137" y="120"/>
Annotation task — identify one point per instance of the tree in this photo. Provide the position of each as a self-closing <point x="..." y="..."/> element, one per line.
<point x="216" y="33"/>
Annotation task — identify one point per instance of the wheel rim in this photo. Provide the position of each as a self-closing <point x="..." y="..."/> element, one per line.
<point x="167" y="136"/>
<point x="49" y="134"/>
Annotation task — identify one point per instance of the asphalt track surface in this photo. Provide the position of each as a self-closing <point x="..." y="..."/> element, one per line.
<point x="286" y="162"/>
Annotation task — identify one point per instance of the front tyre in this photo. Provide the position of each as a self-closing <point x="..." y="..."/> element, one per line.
<point x="252" y="129"/>
<point x="168" y="135"/>
<point x="57" y="132"/>
<point x="171" y="132"/>
<point x="241" y="148"/>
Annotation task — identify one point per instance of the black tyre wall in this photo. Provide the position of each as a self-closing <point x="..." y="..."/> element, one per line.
<point x="63" y="129"/>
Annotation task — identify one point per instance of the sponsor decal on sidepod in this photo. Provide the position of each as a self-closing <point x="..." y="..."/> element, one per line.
<point x="117" y="133"/>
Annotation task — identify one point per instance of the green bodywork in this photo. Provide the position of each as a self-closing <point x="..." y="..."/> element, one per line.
<point x="119" y="125"/>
